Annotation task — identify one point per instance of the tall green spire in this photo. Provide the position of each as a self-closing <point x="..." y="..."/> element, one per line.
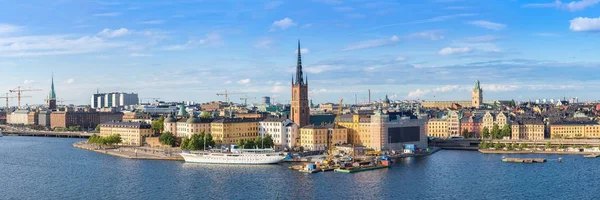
<point x="52" y="93"/>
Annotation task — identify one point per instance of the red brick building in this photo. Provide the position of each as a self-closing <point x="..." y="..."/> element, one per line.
<point x="473" y="124"/>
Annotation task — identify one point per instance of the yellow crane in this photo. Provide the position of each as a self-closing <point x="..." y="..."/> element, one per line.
<point x="335" y="128"/>
<point x="20" y="90"/>
<point x="226" y="94"/>
<point x="7" y="97"/>
<point x="245" y="98"/>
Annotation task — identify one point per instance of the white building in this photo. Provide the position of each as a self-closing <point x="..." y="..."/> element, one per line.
<point x="156" y="109"/>
<point x="283" y="131"/>
<point x="18" y="117"/>
<point x="113" y="100"/>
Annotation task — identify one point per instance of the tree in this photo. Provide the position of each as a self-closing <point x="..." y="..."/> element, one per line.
<point x="522" y="146"/>
<point x="498" y="145"/>
<point x="97" y="128"/>
<point x="506" y="130"/>
<point x="561" y="146"/>
<point x="485" y="133"/>
<point x="209" y="140"/>
<point x="496" y="131"/>
<point x="158" y="124"/>
<point x="512" y="103"/>
<point x="193" y="143"/>
<point x="184" y="143"/>
<point x="167" y="138"/>
<point x="249" y="144"/>
<point x="268" y="141"/>
<point x="548" y="145"/>
<point x="205" y="115"/>
<point x="258" y="142"/>
<point x="465" y="133"/>
<point x="240" y="143"/>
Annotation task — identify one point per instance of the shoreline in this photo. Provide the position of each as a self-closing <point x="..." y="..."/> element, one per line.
<point x="536" y="152"/>
<point x="127" y="154"/>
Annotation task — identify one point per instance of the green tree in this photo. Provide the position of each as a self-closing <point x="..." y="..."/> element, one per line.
<point x="184" y="143"/>
<point x="193" y="143"/>
<point x="158" y="125"/>
<point x="97" y="128"/>
<point x="465" y="133"/>
<point x="206" y="115"/>
<point x="587" y="146"/>
<point x="258" y="142"/>
<point x="498" y="145"/>
<point x="483" y="145"/>
<point x="249" y="144"/>
<point x="167" y="138"/>
<point x="510" y="146"/>
<point x="209" y="140"/>
<point x="268" y="141"/>
<point x="496" y="132"/>
<point x="506" y="130"/>
<point x="485" y="133"/>
<point x="548" y="145"/>
<point x="241" y="143"/>
<point x="522" y="146"/>
<point x="561" y="146"/>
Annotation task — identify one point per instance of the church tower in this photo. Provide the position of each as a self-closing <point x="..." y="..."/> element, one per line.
<point x="477" y="100"/>
<point x="52" y="96"/>
<point x="300" y="111"/>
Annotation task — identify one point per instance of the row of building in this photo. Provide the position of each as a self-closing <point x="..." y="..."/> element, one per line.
<point x="63" y="118"/>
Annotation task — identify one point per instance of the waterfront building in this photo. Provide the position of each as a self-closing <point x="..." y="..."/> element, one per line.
<point x="231" y="130"/>
<point x="170" y="125"/>
<point x="528" y="129"/>
<point x="358" y="128"/>
<point x="86" y="119"/>
<point x="473" y="124"/>
<point x="44" y="118"/>
<point x="156" y="109"/>
<point x="32" y="118"/>
<point x="437" y="128"/>
<point x="300" y="111"/>
<point x="20" y="116"/>
<point x="132" y="133"/>
<point x="313" y="138"/>
<point x="453" y="119"/>
<point x="114" y="100"/>
<point x="279" y="129"/>
<point x="186" y="127"/>
<point x="389" y="132"/>
<point x="212" y="106"/>
<point x="578" y="129"/>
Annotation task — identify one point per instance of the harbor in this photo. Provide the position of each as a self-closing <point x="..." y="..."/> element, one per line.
<point x="133" y="152"/>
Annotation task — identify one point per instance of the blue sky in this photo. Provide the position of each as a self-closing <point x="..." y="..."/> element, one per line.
<point x="186" y="50"/>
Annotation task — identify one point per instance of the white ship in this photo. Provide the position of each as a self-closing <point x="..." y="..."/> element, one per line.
<point x="236" y="156"/>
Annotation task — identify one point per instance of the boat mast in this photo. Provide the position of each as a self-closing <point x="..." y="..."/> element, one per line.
<point x="204" y="141"/>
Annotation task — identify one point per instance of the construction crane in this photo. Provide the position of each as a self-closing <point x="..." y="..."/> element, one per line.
<point x="61" y="101"/>
<point x="20" y="90"/>
<point x="7" y="97"/>
<point x="226" y="94"/>
<point x="153" y="99"/>
<point x="245" y="98"/>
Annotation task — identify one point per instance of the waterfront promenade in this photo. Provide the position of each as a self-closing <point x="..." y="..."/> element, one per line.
<point x="142" y="153"/>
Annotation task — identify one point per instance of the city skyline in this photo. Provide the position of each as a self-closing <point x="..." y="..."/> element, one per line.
<point x="189" y="51"/>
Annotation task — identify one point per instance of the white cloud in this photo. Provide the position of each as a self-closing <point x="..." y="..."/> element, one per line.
<point x="400" y="58"/>
<point x="488" y="25"/>
<point x="430" y="20"/>
<point x="318" y="91"/>
<point x="431" y="34"/>
<point x="154" y="22"/>
<point x="547" y="34"/>
<point x="227" y="82"/>
<point x="140" y="55"/>
<point x="211" y="39"/>
<point x="483" y="38"/>
<point x="264" y="43"/>
<point x="306" y="26"/>
<point x="53" y="45"/>
<point x="417" y="93"/>
<point x="448" y="88"/>
<point x="371" y="43"/>
<point x="330" y="2"/>
<point x="572" y="6"/>
<point x="27" y="82"/>
<point x="355" y="16"/>
<point x="302" y="51"/>
<point x="8" y="28"/>
<point x="111" y="14"/>
<point x="499" y="88"/>
<point x="451" y="51"/>
<point x="282" y="24"/>
<point x="581" y="24"/>
<point x="69" y="81"/>
<point x="244" y="81"/>
<point x="114" y="33"/>
<point x="320" y="69"/>
<point x="273" y="4"/>
<point x="278" y="89"/>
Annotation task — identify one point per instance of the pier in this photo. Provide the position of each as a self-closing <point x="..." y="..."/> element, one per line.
<point x="139" y="153"/>
<point x="48" y="134"/>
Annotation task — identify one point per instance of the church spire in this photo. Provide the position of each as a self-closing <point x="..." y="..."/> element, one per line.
<point x="52" y="93"/>
<point x="299" y="77"/>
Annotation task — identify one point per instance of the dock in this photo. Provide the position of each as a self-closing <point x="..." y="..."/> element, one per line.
<point x="524" y="160"/>
<point x="130" y="153"/>
<point x="591" y="155"/>
<point x="360" y="169"/>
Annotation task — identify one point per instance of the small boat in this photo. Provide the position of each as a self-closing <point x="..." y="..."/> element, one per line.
<point x="591" y="155"/>
<point x="360" y="169"/>
<point x="524" y="160"/>
<point x="310" y="168"/>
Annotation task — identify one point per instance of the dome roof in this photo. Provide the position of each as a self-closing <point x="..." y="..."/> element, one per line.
<point x="170" y="119"/>
<point x="193" y="119"/>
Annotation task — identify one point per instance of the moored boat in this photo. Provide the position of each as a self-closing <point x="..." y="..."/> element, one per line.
<point x="236" y="156"/>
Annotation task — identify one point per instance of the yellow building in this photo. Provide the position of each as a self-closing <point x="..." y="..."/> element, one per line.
<point x="132" y="133"/>
<point x="528" y="130"/>
<point x="575" y="130"/>
<point x="438" y="128"/>
<point x="231" y="130"/>
<point x="314" y="138"/>
<point x="358" y="128"/>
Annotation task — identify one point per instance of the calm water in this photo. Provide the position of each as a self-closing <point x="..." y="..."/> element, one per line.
<point x="49" y="168"/>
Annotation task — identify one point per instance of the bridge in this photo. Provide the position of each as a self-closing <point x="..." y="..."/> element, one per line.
<point x="47" y="134"/>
